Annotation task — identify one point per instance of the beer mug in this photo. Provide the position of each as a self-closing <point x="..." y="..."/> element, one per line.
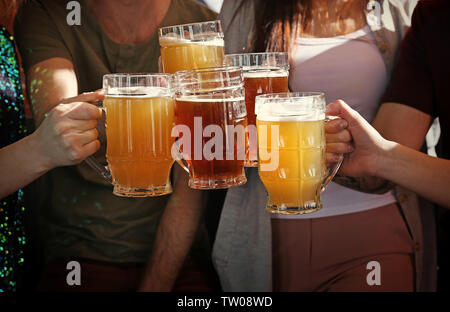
<point x="211" y="123"/>
<point x="191" y="46"/>
<point x="139" y="119"/>
<point x="263" y="73"/>
<point x="291" y="150"/>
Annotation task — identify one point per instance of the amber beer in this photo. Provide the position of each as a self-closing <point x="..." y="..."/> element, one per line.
<point x="301" y="167"/>
<point x="139" y="142"/>
<point x="291" y="146"/>
<point x="210" y="105"/>
<point x="139" y="112"/>
<point x="180" y="54"/>
<point x="222" y="170"/>
<point x="191" y="46"/>
<point x="263" y="73"/>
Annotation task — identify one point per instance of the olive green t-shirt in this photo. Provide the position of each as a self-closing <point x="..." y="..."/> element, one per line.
<point x="82" y="218"/>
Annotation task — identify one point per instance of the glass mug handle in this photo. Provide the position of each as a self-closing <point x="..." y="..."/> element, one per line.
<point x="176" y="154"/>
<point x="331" y="172"/>
<point x="91" y="161"/>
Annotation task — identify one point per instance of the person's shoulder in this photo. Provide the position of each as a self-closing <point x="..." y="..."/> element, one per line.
<point x="434" y="8"/>
<point x="37" y="9"/>
<point x="432" y="16"/>
<point x="434" y="4"/>
<point x="238" y="10"/>
<point x="232" y="7"/>
<point x="45" y="4"/>
<point x="195" y="9"/>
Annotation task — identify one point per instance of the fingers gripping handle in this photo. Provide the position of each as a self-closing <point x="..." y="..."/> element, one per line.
<point x="176" y="154"/>
<point x="331" y="172"/>
<point x="102" y="170"/>
<point x="91" y="161"/>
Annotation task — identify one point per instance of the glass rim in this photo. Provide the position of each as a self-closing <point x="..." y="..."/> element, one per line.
<point x="127" y="84"/>
<point x="256" y="53"/>
<point x="207" y="70"/>
<point x="136" y="75"/>
<point x="259" y="60"/>
<point x="205" y="80"/>
<point x="190" y="24"/>
<point x="290" y="104"/>
<point x="290" y="95"/>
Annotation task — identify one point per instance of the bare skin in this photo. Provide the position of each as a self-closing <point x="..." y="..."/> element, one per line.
<point x="138" y="20"/>
<point x="394" y="121"/>
<point x="66" y="137"/>
<point x="335" y="18"/>
<point x="376" y="156"/>
<point x="330" y="19"/>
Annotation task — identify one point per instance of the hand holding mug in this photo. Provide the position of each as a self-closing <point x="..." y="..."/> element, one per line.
<point x="68" y="134"/>
<point x="351" y="134"/>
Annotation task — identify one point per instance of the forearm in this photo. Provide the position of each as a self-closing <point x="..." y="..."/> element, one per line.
<point x="427" y="176"/>
<point x="398" y="123"/>
<point x="20" y="164"/>
<point x="366" y="184"/>
<point x="175" y="235"/>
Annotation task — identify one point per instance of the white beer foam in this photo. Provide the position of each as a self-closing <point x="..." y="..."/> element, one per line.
<point x="296" y="118"/>
<point x="203" y="100"/>
<point x="169" y="40"/>
<point x="289" y="111"/>
<point x="138" y="92"/>
<point x="264" y="73"/>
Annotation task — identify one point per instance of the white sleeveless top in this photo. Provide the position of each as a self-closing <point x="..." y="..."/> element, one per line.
<point x="348" y="67"/>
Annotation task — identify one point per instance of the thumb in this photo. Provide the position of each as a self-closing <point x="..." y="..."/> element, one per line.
<point x="90" y="97"/>
<point x="341" y="109"/>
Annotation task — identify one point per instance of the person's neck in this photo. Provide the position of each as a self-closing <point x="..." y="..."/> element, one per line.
<point x="335" y="17"/>
<point x="129" y="21"/>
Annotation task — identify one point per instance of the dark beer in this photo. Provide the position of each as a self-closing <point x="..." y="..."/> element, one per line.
<point x="211" y="120"/>
<point x="222" y="165"/>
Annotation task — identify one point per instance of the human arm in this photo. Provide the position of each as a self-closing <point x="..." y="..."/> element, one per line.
<point x="408" y="108"/>
<point x="59" y="141"/>
<point x="427" y="176"/>
<point x="379" y="157"/>
<point x="49" y="82"/>
<point x="46" y="60"/>
<point x="337" y="138"/>
<point x="395" y="122"/>
<point x="59" y="80"/>
<point x="65" y="137"/>
<point x="176" y="232"/>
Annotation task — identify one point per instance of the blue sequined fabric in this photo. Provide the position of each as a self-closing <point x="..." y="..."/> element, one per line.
<point x="12" y="128"/>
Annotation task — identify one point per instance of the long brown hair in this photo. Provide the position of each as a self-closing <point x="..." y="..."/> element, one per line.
<point x="279" y="22"/>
